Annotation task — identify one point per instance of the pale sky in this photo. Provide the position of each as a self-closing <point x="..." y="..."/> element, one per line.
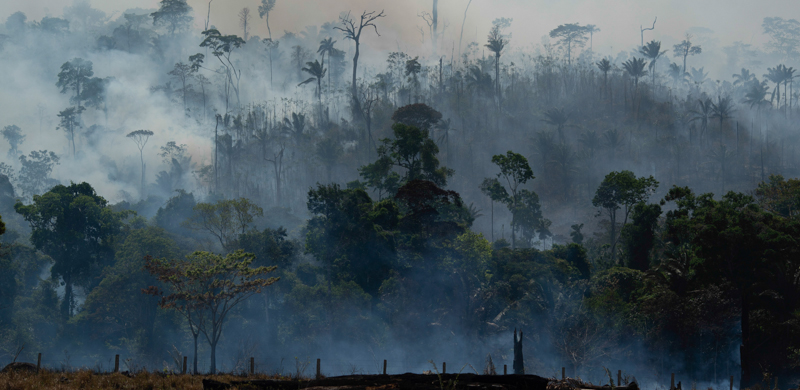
<point x="619" y="20"/>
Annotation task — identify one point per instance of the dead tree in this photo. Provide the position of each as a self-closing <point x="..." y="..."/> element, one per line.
<point x="519" y="364"/>
<point x="354" y="33"/>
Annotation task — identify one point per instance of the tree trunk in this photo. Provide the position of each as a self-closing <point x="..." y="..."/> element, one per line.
<point x="613" y="235"/>
<point x="354" y="89"/>
<point x="213" y="369"/>
<point x="66" y="306"/>
<point x="744" y="349"/>
<point x="195" y="352"/>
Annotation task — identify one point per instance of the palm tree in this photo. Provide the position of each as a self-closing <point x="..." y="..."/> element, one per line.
<point x="698" y="76"/>
<point x="317" y="72"/>
<point x="775" y="75"/>
<point x="788" y="76"/>
<point x="635" y="68"/>
<point x="756" y="95"/>
<point x="744" y="77"/>
<point x="652" y="50"/>
<point x="702" y="114"/>
<point x="557" y="117"/>
<point x="326" y="47"/>
<point x="612" y="140"/>
<point x="590" y="140"/>
<point x="413" y="67"/>
<point x="605" y="66"/>
<point x="722" y="110"/>
<point x="496" y="43"/>
<point x="295" y="127"/>
<point x="675" y="73"/>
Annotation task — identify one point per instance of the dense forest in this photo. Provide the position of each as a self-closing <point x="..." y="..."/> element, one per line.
<point x="170" y="191"/>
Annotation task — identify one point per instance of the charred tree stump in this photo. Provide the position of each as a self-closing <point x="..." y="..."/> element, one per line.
<point x="519" y="363"/>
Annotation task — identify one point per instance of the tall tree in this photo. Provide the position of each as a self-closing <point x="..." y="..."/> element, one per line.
<point x="505" y="188"/>
<point x="13" y="134"/>
<point x="73" y="76"/>
<point x="686" y="49"/>
<point x="569" y="35"/>
<point x="591" y="29"/>
<point x="605" y="66"/>
<point x="326" y="47"/>
<point x="34" y="176"/>
<point x="352" y="31"/>
<point x="702" y="114"/>
<point x="244" y="22"/>
<point x="70" y="122"/>
<point x="140" y="137"/>
<point x="222" y="47"/>
<point x="621" y="190"/>
<point x="174" y="15"/>
<point x="76" y="228"/>
<point x="722" y="109"/>
<point x="263" y="12"/>
<point x="495" y="42"/>
<point x="652" y="51"/>
<point x="317" y="73"/>
<point x="209" y="287"/>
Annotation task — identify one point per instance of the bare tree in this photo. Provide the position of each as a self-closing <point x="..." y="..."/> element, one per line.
<point x="140" y="137"/>
<point x="642" y="30"/>
<point x="354" y="33"/>
<point x="244" y="21"/>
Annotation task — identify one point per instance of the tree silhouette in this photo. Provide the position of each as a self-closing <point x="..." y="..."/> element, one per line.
<point x="652" y="51"/>
<point x="175" y="15"/>
<point x="702" y="114"/>
<point x="496" y="43"/>
<point x="326" y="47"/>
<point x="353" y="32"/>
<point x="13" y="134"/>
<point x="605" y="66"/>
<point x="73" y="76"/>
<point x="317" y="72"/>
<point x="263" y="12"/>
<point x="70" y="122"/>
<point x="722" y="110"/>
<point x="686" y="49"/>
<point x="569" y="35"/>
<point x="140" y="137"/>
<point x="591" y="29"/>
<point x="635" y="68"/>
<point x="222" y="47"/>
<point x="557" y="117"/>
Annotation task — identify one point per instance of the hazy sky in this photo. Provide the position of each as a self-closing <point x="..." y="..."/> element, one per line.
<point x="619" y="20"/>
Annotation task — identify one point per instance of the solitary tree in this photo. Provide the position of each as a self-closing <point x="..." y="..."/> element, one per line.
<point x="244" y="22"/>
<point x="569" y="35"/>
<point x="205" y="287"/>
<point x="140" y="137"/>
<point x="557" y="117"/>
<point x="605" y="66"/>
<point x="174" y="15"/>
<point x="496" y="43"/>
<point x="722" y="110"/>
<point x="263" y="12"/>
<point x="621" y="190"/>
<point x="34" y="176"/>
<point x="13" y="134"/>
<point x="326" y="47"/>
<point x="591" y="29"/>
<point x="686" y="49"/>
<point x="352" y="31"/>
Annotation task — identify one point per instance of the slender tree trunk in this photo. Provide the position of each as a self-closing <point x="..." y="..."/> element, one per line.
<point x="613" y="215"/>
<point x="194" y="335"/>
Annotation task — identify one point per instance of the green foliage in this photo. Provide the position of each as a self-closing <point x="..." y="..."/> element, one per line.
<point x="413" y="151"/>
<point x="225" y="219"/>
<point x="523" y="204"/>
<point x="780" y="196"/>
<point x="639" y="236"/>
<point x="76" y="228"/>
<point x="205" y="287"/>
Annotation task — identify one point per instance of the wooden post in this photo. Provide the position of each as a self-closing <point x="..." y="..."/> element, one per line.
<point x="384" y="366"/>
<point x="39" y="362"/>
<point x="505" y="369"/>
<point x="252" y="365"/>
<point x="563" y="373"/>
<point x="731" y="382"/>
<point x="444" y="367"/>
<point x="116" y="363"/>
<point x="184" y="366"/>
<point x="672" y="382"/>
<point x="619" y="377"/>
<point x="318" y="369"/>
